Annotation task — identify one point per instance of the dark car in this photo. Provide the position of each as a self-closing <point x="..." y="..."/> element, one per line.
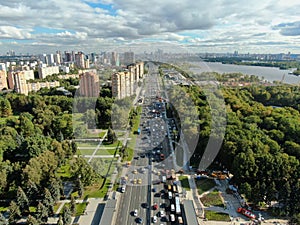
<point x="139" y="220"/>
<point x="145" y="205"/>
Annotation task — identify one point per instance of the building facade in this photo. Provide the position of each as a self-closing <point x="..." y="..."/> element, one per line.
<point x="3" y="80"/>
<point x="89" y="85"/>
<point x="46" y="71"/>
<point x="125" y="83"/>
<point x="79" y="60"/>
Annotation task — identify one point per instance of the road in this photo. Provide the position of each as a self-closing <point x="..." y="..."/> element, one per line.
<point x="152" y="142"/>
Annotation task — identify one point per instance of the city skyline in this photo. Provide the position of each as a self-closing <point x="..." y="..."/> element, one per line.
<point x="92" y="25"/>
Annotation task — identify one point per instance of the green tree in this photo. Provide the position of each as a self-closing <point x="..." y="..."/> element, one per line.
<point x="3" y="220"/>
<point x="55" y="187"/>
<point x="14" y="212"/>
<point x="22" y="200"/>
<point x="5" y="107"/>
<point x="48" y="201"/>
<point x="295" y="219"/>
<point x="42" y="213"/>
<point x="73" y="205"/>
<point x="31" y="190"/>
<point x="32" y="221"/>
<point x="80" y="188"/>
<point x="66" y="216"/>
<point x="60" y="221"/>
<point x="111" y="136"/>
<point x="90" y="118"/>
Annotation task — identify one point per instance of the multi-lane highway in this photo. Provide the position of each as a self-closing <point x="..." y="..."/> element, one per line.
<point x="142" y="193"/>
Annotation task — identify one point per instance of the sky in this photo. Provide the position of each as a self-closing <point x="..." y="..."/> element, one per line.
<point x="44" y="26"/>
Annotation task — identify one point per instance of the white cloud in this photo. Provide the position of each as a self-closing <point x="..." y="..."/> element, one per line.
<point x="201" y="23"/>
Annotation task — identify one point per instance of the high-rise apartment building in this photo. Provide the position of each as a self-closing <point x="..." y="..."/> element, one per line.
<point x="17" y="81"/>
<point x="125" y="83"/>
<point x="79" y="60"/>
<point x="89" y="85"/>
<point x="3" y="80"/>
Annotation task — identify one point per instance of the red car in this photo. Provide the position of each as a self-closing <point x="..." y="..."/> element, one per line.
<point x="155" y="206"/>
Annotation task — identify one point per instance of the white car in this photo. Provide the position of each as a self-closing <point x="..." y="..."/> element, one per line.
<point x="162" y="213"/>
<point x="172" y="217"/>
<point x="154" y="219"/>
<point x="135" y="212"/>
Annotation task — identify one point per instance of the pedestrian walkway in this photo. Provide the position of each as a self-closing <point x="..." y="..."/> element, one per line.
<point x="90" y="211"/>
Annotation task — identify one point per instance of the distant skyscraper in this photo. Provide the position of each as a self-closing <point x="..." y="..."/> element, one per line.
<point x="128" y="58"/>
<point x="79" y="60"/>
<point x="115" y="59"/>
<point x="89" y="84"/>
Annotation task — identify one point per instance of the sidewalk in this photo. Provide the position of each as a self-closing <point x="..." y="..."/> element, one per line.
<point x="91" y="208"/>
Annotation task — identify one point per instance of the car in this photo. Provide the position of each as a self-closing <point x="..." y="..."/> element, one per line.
<point x="139" y="181"/>
<point x="154" y="189"/>
<point x="145" y="205"/>
<point x="134" y="181"/>
<point x="162" y="213"/>
<point x="154" y="219"/>
<point x="134" y="171"/>
<point x="172" y="217"/>
<point x="155" y="206"/>
<point x="123" y="189"/>
<point x="135" y="212"/>
<point x="139" y="220"/>
<point x="180" y="220"/>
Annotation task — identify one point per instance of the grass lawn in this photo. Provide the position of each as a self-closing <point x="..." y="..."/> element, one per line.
<point x="56" y="206"/>
<point x="87" y="144"/>
<point x="106" y="152"/>
<point x="102" y="165"/>
<point x="185" y="182"/>
<point x="102" y="133"/>
<point x="217" y="216"/>
<point x="115" y="144"/>
<point x="80" y="208"/>
<point x="85" y="151"/>
<point x="212" y="199"/>
<point x="204" y="185"/>
<point x="94" y="190"/>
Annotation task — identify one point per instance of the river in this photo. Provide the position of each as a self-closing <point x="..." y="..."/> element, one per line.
<point x="269" y="73"/>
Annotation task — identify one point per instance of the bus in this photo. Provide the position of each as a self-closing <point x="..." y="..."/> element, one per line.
<point x="177" y="205"/>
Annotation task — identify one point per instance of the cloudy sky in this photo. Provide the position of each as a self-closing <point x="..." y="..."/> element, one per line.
<point x="263" y="26"/>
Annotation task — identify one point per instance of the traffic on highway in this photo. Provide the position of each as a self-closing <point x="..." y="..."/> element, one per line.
<point x="149" y="190"/>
